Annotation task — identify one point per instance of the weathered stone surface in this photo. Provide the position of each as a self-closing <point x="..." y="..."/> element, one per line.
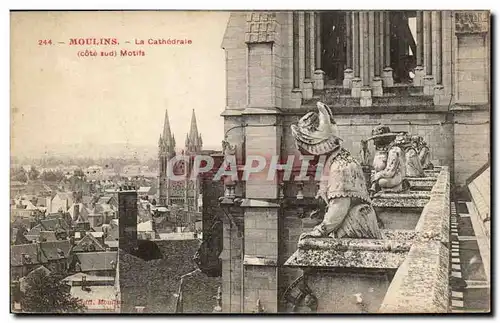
<point x="434" y="221"/>
<point x="261" y="27"/>
<point x="422" y="183"/>
<point x="401" y="200"/>
<point x="349" y="253"/>
<point x="421" y="282"/>
<point x="399" y="235"/>
<point x="357" y="291"/>
<point x="469" y="22"/>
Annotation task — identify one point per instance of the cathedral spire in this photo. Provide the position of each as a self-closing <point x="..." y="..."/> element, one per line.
<point x="167" y="135"/>
<point x="166" y="143"/>
<point x="193" y="139"/>
<point x="193" y="131"/>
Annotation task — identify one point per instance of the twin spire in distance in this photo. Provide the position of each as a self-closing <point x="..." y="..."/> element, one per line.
<point x="193" y="141"/>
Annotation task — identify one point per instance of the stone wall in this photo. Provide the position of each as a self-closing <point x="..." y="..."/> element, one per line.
<point x="472" y="66"/>
<point x="471" y="143"/>
<point x="232" y="268"/>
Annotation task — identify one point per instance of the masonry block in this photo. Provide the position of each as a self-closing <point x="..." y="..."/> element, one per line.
<point x="429" y="85"/>
<point x="418" y="80"/>
<point x="366" y="97"/>
<point x="356" y="87"/>
<point x="348" y="76"/>
<point x="439" y="97"/>
<point x="387" y="77"/>
<point x="307" y="91"/>
<point x="377" y="87"/>
<point x="319" y="80"/>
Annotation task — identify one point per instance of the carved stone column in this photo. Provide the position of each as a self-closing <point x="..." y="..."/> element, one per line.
<point x="387" y="77"/>
<point x="381" y="38"/>
<point x="419" y="70"/>
<point x="308" y="81"/>
<point x="438" y="53"/>
<point x="447" y="42"/>
<point x="366" y="91"/>
<point x="319" y="75"/>
<point x="429" y="78"/>
<point x="356" y="64"/>
<point x="348" y="73"/>
<point x="374" y="48"/>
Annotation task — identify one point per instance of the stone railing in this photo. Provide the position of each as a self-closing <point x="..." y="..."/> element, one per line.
<point x="420" y="284"/>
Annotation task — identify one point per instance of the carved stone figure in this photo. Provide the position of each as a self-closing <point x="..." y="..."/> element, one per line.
<point x="342" y="187"/>
<point x="228" y="149"/>
<point x="364" y="153"/>
<point x="389" y="162"/>
<point x="423" y="152"/>
<point x="412" y="161"/>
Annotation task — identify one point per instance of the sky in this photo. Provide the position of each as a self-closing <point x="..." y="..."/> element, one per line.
<point x="61" y="102"/>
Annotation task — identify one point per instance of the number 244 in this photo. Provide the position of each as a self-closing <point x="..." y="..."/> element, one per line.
<point x="44" y="42"/>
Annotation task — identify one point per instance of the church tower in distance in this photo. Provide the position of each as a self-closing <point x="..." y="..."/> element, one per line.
<point x="166" y="151"/>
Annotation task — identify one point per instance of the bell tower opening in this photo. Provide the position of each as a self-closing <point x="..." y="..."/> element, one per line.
<point x="403" y="45"/>
<point x="399" y="35"/>
<point x="334" y="55"/>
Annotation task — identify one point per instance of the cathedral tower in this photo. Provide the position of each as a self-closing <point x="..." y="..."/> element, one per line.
<point x="166" y="150"/>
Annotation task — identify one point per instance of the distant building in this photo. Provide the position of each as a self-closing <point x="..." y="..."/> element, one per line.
<point x="54" y="255"/>
<point x="185" y="192"/>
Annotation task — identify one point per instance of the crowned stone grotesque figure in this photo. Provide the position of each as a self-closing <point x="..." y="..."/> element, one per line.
<point x="389" y="162"/>
<point x="349" y="213"/>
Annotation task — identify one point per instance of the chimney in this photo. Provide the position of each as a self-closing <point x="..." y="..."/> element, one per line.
<point x="76" y="212"/>
<point x="84" y="280"/>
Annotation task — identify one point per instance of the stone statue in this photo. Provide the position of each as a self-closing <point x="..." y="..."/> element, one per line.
<point x="423" y="152"/>
<point x="364" y="153"/>
<point x="413" y="166"/>
<point x="342" y="188"/>
<point x="228" y="149"/>
<point x="389" y="162"/>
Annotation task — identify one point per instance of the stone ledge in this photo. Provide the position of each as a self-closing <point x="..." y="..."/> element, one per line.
<point x="353" y="244"/>
<point x="422" y="182"/>
<point x="401" y="200"/>
<point x="420" y="285"/>
<point x="261" y="110"/>
<point x="231" y="112"/>
<point x="259" y="261"/>
<point x="346" y="259"/>
<point x="311" y="106"/>
<point x="349" y="253"/>
<point x="258" y="203"/>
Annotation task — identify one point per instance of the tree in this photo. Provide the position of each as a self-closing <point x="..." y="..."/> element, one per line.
<point x="50" y="176"/>
<point x="33" y="173"/>
<point x="18" y="174"/>
<point x="47" y="293"/>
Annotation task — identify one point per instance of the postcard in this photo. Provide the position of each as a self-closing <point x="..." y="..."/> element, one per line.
<point x="212" y="162"/>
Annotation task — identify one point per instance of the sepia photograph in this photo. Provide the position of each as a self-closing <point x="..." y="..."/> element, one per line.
<point x="250" y="162"/>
